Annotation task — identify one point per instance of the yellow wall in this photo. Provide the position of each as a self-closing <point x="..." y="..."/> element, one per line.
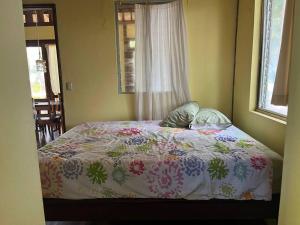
<point x="267" y="130"/>
<point x="87" y="49"/>
<point x="42" y="32"/>
<point x="290" y="194"/>
<point x="211" y="38"/>
<point x="20" y="189"/>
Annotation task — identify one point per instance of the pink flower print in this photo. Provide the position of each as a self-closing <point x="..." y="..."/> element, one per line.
<point x="209" y="132"/>
<point x="166" y="145"/>
<point x="165" y="179"/>
<point x="258" y="162"/>
<point x="129" y="131"/>
<point x="137" y="167"/>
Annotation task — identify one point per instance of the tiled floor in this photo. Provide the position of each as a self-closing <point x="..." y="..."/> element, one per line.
<point x="43" y="139"/>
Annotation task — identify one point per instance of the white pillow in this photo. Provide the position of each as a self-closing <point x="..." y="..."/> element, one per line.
<point x="210" y="118"/>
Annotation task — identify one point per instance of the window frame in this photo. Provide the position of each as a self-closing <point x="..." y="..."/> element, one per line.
<point x="118" y="51"/>
<point x="28" y="12"/>
<point x="117" y="36"/>
<point x="260" y="67"/>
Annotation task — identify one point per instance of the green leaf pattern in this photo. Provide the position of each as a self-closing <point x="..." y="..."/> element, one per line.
<point x="217" y="169"/>
<point x="97" y="173"/>
<point x="222" y="148"/>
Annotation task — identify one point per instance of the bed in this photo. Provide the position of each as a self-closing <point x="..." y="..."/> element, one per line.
<point x="144" y="171"/>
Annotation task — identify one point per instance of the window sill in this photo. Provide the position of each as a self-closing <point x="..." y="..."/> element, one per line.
<point x="269" y="116"/>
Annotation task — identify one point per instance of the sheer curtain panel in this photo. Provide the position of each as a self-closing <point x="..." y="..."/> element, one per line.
<point x="53" y="68"/>
<point x="161" y="59"/>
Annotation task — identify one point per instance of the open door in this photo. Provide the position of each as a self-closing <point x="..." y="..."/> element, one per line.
<point x="44" y="71"/>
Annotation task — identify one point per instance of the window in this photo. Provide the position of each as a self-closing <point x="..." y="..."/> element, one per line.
<point x="125" y="39"/>
<point x="40" y="17"/>
<point x="46" y="17"/>
<point x="272" y="37"/>
<point x="34" y="18"/>
<point x="43" y="84"/>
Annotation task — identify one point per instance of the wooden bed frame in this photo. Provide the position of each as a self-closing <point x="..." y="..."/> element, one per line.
<point x="159" y="209"/>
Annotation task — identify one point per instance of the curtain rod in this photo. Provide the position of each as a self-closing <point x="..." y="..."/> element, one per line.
<point x="143" y="1"/>
<point x="36" y="8"/>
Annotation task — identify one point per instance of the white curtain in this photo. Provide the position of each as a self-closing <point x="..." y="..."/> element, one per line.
<point x="161" y="59"/>
<point x="281" y="87"/>
<point x="53" y="68"/>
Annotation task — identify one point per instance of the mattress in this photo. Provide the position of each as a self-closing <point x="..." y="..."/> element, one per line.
<point x="140" y="159"/>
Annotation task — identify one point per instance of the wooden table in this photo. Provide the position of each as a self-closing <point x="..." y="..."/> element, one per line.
<point x="39" y="106"/>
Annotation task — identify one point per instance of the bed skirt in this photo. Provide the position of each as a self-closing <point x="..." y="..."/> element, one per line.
<point x="159" y="209"/>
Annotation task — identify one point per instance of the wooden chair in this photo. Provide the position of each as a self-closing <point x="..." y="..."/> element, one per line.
<point x="57" y="109"/>
<point x="46" y="118"/>
<point x="40" y="107"/>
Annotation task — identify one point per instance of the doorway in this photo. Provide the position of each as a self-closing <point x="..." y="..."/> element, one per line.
<point x="44" y="71"/>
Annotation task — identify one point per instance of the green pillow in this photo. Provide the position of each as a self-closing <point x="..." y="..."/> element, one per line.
<point x="210" y="117"/>
<point x="182" y="116"/>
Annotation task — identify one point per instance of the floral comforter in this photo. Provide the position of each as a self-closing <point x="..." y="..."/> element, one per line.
<point x="144" y="160"/>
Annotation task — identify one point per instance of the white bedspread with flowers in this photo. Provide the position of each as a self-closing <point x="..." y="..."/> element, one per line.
<point x="143" y="160"/>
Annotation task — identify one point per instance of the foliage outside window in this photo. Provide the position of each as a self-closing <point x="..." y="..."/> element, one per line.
<point x="37" y="78"/>
<point x="273" y="18"/>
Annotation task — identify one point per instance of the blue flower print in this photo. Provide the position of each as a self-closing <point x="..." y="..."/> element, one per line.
<point x="226" y="138"/>
<point x="139" y="140"/>
<point x="193" y="166"/>
<point x="240" y="171"/>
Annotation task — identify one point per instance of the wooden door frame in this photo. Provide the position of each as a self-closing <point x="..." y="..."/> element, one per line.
<point x="56" y="41"/>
